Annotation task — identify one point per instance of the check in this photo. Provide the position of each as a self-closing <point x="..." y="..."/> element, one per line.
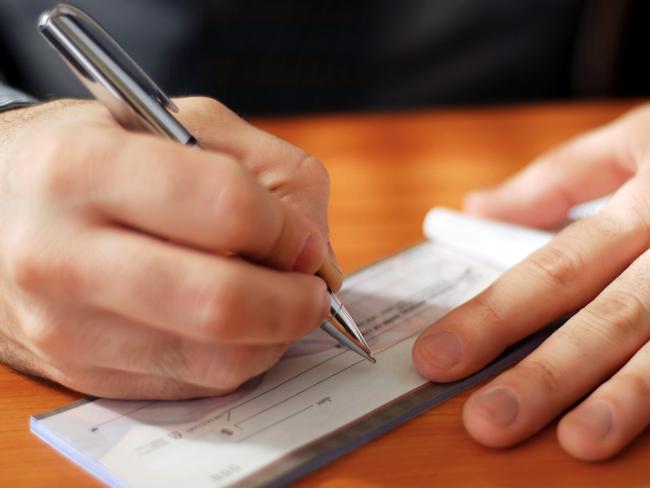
<point x="317" y="403"/>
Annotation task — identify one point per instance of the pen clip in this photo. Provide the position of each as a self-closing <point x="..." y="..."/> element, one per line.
<point x="65" y="13"/>
<point x="110" y="74"/>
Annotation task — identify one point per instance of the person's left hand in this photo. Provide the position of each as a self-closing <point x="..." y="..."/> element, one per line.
<point x="598" y="267"/>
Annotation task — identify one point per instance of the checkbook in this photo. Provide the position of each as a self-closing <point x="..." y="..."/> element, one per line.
<point x="320" y="401"/>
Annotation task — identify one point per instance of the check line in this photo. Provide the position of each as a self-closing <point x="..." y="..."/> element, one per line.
<point x="244" y="402"/>
<point x="275" y="423"/>
<point x="95" y="428"/>
<point x="299" y="392"/>
<point x="318" y="383"/>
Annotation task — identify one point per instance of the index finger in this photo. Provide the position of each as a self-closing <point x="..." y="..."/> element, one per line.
<point x="198" y="198"/>
<point x="559" y="278"/>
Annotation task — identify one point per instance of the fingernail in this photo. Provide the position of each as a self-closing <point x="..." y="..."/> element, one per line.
<point x="310" y="256"/>
<point x="441" y="349"/>
<point x="595" y="419"/>
<point x="499" y="405"/>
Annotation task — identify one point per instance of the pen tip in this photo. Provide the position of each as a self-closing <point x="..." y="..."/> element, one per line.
<point x="372" y="359"/>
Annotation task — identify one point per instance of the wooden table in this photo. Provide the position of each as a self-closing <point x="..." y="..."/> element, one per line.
<point x="387" y="171"/>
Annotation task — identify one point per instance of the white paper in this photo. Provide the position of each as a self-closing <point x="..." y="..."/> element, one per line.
<point x="588" y="209"/>
<point x="316" y="388"/>
<point x="501" y="243"/>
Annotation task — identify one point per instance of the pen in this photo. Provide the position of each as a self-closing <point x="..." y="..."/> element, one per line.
<point x="136" y="102"/>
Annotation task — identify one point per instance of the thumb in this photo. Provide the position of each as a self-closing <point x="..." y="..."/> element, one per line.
<point x="541" y="195"/>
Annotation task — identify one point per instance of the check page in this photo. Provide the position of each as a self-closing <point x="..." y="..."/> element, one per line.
<point x="318" y="389"/>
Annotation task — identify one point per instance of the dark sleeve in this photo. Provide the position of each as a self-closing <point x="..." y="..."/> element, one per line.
<point x="11" y="98"/>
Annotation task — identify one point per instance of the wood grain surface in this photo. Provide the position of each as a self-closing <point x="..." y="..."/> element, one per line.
<point x="387" y="170"/>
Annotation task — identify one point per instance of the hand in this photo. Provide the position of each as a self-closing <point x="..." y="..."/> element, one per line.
<point x="135" y="267"/>
<point x="597" y="365"/>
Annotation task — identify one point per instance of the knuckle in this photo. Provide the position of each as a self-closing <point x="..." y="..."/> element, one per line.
<point x="628" y="213"/>
<point x="33" y="269"/>
<point x="25" y="269"/>
<point x="66" y="160"/>
<point x="56" y="164"/>
<point x="298" y="167"/>
<point x="490" y="311"/>
<point x="635" y="383"/>
<point x="314" y="169"/>
<point x="602" y="226"/>
<point x="541" y="373"/>
<point x="45" y="333"/>
<point x="560" y="267"/>
<point x="636" y="217"/>
<point x="621" y="309"/>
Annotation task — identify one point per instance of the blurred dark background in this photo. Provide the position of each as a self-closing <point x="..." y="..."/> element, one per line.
<point x="293" y="56"/>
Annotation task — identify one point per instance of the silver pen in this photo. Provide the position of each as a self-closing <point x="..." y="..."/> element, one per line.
<point x="137" y="103"/>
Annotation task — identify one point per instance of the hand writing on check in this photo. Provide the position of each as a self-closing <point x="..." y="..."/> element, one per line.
<point x="597" y="365"/>
<point x="117" y="273"/>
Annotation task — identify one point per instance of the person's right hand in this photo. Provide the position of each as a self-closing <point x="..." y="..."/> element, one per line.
<point x="135" y="267"/>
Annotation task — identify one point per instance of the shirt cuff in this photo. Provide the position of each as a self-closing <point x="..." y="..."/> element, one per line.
<point x="11" y="98"/>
